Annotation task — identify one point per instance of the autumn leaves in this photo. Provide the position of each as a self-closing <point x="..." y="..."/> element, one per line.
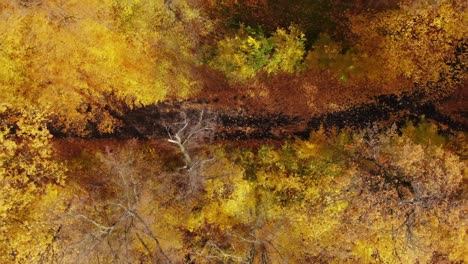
<point x="73" y="60"/>
<point x="83" y="64"/>
<point x="345" y="197"/>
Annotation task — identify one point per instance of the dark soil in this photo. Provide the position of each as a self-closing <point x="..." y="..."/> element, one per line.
<point x="241" y="124"/>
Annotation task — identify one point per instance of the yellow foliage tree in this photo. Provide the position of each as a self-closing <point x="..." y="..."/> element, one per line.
<point x="407" y="206"/>
<point x="271" y="205"/>
<point x="85" y="60"/>
<point x="419" y="41"/>
<point x="30" y="177"/>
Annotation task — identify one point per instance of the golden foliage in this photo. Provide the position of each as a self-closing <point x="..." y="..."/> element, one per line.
<point x="371" y="197"/>
<point x="409" y="195"/>
<point x="418" y="40"/>
<point x="71" y="57"/>
<point x="29" y="175"/>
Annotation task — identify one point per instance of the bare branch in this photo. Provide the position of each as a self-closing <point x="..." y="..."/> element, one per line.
<point x="186" y="133"/>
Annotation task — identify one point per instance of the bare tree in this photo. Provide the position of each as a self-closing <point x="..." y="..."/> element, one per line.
<point x="188" y="132"/>
<point x="111" y="230"/>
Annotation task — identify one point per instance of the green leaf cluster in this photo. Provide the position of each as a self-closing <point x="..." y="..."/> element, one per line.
<point x="249" y="52"/>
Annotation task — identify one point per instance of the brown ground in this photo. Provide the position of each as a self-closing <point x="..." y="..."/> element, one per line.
<point x="282" y="106"/>
<point x="306" y="94"/>
<point x="456" y="105"/>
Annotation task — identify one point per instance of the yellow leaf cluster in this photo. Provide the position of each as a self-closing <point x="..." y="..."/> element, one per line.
<point x="415" y="41"/>
<point x="73" y="57"/>
<point x="28" y="174"/>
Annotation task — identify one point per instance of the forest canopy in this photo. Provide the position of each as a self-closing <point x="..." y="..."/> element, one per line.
<point x="233" y="131"/>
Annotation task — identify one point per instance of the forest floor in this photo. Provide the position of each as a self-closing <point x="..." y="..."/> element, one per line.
<point x="276" y="117"/>
<point x="285" y="106"/>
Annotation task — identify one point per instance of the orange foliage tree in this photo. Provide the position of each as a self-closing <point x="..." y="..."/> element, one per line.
<point x="420" y="40"/>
